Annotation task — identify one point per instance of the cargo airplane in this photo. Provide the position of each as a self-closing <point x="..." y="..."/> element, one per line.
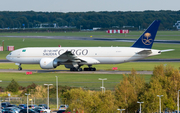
<point x="75" y="57"/>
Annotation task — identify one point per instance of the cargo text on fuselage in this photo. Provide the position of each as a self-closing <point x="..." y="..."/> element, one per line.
<point x="56" y="52"/>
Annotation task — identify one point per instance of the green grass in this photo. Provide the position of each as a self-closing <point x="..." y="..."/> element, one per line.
<point x="139" y="66"/>
<point x="65" y="79"/>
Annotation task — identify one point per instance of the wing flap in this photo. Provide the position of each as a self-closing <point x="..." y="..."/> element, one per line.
<point x="88" y="60"/>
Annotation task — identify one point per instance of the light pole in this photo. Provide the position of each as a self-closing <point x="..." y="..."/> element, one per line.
<point x="140" y="105"/>
<point x="0" y="105"/>
<point x="27" y="101"/>
<point x="57" y="90"/>
<point x="103" y="84"/>
<point x="178" y="102"/>
<point x="48" y="93"/>
<point x="103" y="89"/>
<point x="159" y="102"/>
<point x="121" y="110"/>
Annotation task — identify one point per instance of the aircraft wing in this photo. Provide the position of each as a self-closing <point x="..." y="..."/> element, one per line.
<point x="68" y="57"/>
<point x="144" y="52"/>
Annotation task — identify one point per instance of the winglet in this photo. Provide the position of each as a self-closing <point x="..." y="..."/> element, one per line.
<point x="146" y="40"/>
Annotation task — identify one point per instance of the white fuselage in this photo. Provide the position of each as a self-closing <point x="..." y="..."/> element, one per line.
<point x="105" y="55"/>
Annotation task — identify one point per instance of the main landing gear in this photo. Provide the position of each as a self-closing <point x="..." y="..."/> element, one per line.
<point x="75" y="69"/>
<point x="85" y="69"/>
<point x="90" y="68"/>
<point x="20" y="68"/>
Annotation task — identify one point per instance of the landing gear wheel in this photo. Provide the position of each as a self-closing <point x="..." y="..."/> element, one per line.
<point x="20" y="68"/>
<point x="74" y="69"/>
<point x="89" y="69"/>
<point x="80" y="69"/>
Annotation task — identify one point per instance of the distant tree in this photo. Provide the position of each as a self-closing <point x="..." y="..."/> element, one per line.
<point x="13" y="86"/>
<point x="129" y="90"/>
<point x="164" y="81"/>
<point x="91" y="101"/>
<point x="90" y="19"/>
<point x="150" y="99"/>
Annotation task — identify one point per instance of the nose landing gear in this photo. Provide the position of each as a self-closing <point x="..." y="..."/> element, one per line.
<point x="20" y="68"/>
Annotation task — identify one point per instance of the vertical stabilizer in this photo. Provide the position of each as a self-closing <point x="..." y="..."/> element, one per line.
<point x="146" y="40"/>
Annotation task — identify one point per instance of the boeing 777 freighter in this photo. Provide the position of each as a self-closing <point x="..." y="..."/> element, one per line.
<point x="75" y="57"/>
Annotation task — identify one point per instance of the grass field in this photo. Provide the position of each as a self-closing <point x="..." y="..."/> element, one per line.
<point x="77" y="79"/>
<point x="65" y="79"/>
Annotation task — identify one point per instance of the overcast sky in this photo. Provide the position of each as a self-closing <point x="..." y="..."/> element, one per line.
<point x="88" y="5"/>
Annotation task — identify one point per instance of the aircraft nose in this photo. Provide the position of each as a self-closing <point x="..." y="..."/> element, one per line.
<point x="7" y="57"/>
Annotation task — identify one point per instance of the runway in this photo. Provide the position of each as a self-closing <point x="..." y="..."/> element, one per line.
<point x="81" y="72"/>
<point x="98" y="39"/>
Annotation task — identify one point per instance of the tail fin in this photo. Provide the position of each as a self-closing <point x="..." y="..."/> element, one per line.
<point x="146" y="40"/>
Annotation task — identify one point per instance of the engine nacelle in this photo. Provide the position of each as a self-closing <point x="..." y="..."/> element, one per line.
<point x="48" y="63"/>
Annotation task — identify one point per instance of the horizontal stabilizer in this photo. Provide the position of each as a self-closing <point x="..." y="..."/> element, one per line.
<point x="167" y="50"/>
<point x="145" y="52"/>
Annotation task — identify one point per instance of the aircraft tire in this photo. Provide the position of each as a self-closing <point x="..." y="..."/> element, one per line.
<point x="86" y="69"/>
<point x="74" y="69"/>
<point x="89" y="69"/>
<point x="80" y="69"/>
<point x="20" y="68"/>
<point x="94" y="69"/>
<point x="71" y="69"/>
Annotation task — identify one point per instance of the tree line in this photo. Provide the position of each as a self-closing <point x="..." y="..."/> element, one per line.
<point x="88" y="20"/>
<point x="133" y="88"/>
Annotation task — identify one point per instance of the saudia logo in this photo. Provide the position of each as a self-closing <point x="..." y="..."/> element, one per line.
<point x="146" y="39"/>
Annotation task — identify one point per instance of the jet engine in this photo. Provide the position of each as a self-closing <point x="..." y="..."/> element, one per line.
<point x="48" y="63"/>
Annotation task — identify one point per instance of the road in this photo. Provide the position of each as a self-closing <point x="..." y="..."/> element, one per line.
<point x="98" y="39"/>
<point x="66" y="71"/>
